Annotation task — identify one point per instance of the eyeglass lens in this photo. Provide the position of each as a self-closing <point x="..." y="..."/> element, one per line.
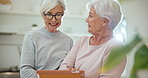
<point x="57" y="16"/>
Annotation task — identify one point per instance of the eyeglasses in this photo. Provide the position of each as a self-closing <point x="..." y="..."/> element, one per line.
<point x="57" y="16"/>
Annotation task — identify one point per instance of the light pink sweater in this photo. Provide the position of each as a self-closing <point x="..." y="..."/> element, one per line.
<point x="91" y="58"/>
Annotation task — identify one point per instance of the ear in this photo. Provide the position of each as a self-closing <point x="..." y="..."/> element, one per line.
<point x="105" y="21"/>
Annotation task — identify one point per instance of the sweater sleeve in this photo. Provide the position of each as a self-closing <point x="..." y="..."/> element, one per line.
<point x="115" y="72"/>
<point x="71" y="43"/>
<point x="69" y="60"/>
<point x="27" y="58"/>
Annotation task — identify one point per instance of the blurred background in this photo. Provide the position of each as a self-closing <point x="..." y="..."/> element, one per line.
<point x="20" y="16"/>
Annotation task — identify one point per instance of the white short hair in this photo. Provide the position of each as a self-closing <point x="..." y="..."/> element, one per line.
<point x="109" y="9"/>
<point x="47" y="5"/>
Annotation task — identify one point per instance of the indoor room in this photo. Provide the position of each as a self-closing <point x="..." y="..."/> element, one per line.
<point x="18" y="17"/>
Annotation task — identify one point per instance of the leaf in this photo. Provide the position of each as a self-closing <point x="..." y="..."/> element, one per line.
<point x="141" y="61"/>
<point x="118" y="54"/>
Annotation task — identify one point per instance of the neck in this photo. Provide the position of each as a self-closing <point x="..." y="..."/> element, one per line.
<point x="51" y="30"/>
<point x="101" y="38"/>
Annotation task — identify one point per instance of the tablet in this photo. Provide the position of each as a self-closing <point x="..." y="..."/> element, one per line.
<point x="60" y="74"/>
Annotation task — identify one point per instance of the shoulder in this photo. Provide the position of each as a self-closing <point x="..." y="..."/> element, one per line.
<point x="65" y="36"/>
<point x="33" y="33"/>
<point x="83" y="40"/>
<point x="115" y="42"/>
<point x="112" y="43"/>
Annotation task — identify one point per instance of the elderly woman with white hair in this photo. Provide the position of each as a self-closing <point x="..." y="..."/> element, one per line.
<point x="90" y="52"/>
<point x="43" y="48"/>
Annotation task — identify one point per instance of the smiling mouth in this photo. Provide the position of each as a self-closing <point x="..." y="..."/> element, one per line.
<point x="53" y="24"/>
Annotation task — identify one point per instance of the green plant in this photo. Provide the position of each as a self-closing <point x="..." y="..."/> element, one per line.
<point x="141" y="61"/>
<point x="118" y="53"/>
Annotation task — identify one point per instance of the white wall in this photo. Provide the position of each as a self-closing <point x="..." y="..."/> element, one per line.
<point x="136" y="14"/>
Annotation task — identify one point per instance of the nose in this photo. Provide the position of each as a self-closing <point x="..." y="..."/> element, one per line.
<point x="53" y="18"/>
<point x="86" y="19"/>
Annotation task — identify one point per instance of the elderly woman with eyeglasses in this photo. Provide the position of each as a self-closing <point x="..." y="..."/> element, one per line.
<point x="90" y="52"/>
<point x="43" y="48"/>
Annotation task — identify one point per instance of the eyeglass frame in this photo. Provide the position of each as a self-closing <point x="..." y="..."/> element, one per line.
<point x="53" y="16"/>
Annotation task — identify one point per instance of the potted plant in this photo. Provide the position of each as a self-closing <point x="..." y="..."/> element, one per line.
<point x="140" y="67"/>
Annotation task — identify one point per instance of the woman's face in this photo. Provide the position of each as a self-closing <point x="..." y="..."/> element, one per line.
<point x="95" y="23"/>
<point x="53" y="18"/>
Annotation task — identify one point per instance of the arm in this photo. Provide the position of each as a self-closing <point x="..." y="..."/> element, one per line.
<point x="71" y="44"/>
<point x="70" y="58"/>
<point x="116" y="72"/>
<point x="27" y="69"/>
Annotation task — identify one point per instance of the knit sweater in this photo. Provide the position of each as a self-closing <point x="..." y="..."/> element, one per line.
<point x="43" y="50"/>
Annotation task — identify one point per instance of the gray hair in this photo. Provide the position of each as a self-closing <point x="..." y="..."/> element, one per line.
<point x="47" y="5"/>
<point x="109" y="9"/>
